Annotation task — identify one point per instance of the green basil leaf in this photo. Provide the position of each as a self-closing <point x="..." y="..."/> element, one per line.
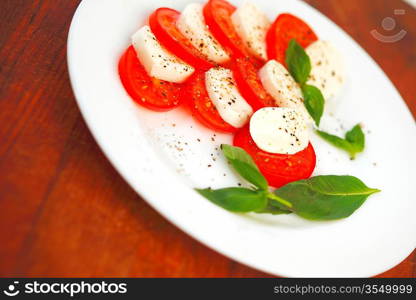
<point x="244" y="165"/>
<point x="314" y="102"/>
<point x="356" y="138"/>
<point x="236" y="199"/>
<point x="353" y="143"/>
<point x="336" y="141"/>
<point x="327" y="197"/>
<point x="298" y="62"/>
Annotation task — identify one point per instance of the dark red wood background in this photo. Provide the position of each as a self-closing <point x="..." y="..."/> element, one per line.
<point x="64" y="211"/>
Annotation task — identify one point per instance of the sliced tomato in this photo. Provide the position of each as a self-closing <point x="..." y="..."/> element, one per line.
<point x="217" y="14"/>
<point x="279" y="169"/>
<point x="148" y="91"/>
<point x="201" y="105"/>
<point x="245" y="73"/>
<point x="285" y="28"/>
<point x="162" y="22"/>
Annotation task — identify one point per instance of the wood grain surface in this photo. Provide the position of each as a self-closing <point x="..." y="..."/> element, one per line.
<point x="64" y="210"/>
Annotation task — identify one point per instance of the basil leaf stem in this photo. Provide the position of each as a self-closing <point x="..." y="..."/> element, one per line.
<point x="272" y="208"/>
<point x="274" y="197"/>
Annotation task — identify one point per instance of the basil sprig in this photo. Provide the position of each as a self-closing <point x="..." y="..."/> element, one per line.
<point x="327" y="197"/>
<point x="353" y="142"/>
<point x="299" y="65"/>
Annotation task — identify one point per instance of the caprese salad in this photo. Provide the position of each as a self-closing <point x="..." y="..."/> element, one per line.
<point x="231" y="67"/>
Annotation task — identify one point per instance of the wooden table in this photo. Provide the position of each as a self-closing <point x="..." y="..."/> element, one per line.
<point x="64" y="210"/>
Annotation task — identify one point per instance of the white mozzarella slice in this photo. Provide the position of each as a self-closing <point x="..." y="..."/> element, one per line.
<point x="327" y="72"/>
<point x="223" y="92"/>
<point x="279" y="130"/>
<point x="157" y="61"/>
<point x="251" y="25"/>
<point x="191" y="24"/>
<point x="281" y="86"/>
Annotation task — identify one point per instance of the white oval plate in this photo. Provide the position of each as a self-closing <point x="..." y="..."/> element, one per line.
<point x="160" y="156"/>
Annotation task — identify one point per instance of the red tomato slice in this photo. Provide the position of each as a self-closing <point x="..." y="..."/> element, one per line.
<point x="148" y="91"/>
<point x="249" y="85"/>
<point x="285" y="28"/>
<point x="201" y="105"/>
<point x="162" y="22"/>
<point x="217" y="14"/>
<point x="279" y="169"/>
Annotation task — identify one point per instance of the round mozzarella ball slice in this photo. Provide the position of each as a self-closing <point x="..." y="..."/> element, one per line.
<point x="157" y="61"/>
<point x="191" y="24"/>
<point x="282" y="87"/>
<point x="327" y="72"/>
<point x="279" y="130"/>
<point x="251" y="25"/>
<point x="223" y="92"/>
